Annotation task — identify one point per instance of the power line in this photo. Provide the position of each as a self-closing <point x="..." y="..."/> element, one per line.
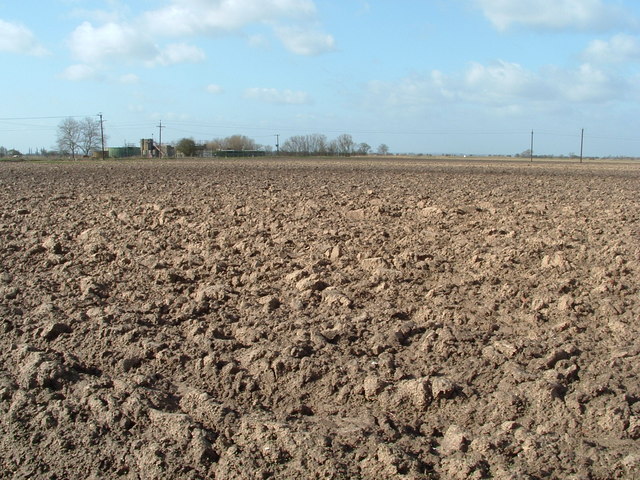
<point x="43" y="118"/>
<point x="298" y="129"/>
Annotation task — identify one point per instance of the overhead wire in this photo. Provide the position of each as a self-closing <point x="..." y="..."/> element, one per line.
<point x="212" y="129"/>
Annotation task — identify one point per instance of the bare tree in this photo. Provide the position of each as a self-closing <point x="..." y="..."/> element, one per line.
<point x="239" y="142"/>
<point x="383" y="149"/>
<point x="69" y="137"/>
<point x="363" y="149"/>
<point x="345" y="144"/>
<point x="215" y="144"/>
<point x="317" y="143"/>
<point x="296" y="144"/>
<point x="90" y="139"/>
<point x="76" y="137"/>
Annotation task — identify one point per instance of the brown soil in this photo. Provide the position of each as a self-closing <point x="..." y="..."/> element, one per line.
<point x="319" y="319"/>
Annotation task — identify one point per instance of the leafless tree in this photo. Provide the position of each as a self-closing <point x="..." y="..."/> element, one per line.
<point x="296" y="144"/>
<point x="79" y="136"/>
<point x="239" y="142"/>
<point x="383" y="149"/>
<point x="215" y="145"/>
<point x="313" y="144"/>
<point x="345" y="144"/>
<point x="69" y="137"/>
<point x="318" y="144"/>
<point x="234" y="142"/>
<point x="363" y="149"/>
<point x="90" y="138"/>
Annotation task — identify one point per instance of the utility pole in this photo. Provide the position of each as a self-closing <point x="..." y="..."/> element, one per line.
<point x="277" y="143"/>
<point x="531" y="149"/>
<point x="101" y="135"/>
<point x="160" y="126"/>
<point x="581" y="143"/>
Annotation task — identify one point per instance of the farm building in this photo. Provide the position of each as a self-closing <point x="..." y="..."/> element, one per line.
<point x="150" y="149"/>
<point x="124" y="152"/>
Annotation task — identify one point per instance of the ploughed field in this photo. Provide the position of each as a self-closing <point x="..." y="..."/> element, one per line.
<point x="269" y="318"/>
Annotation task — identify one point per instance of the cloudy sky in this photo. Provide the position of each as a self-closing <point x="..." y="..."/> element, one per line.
<point x="430" y="76"/>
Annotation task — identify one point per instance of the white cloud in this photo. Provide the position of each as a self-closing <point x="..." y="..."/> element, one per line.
<point x="556" y="14"/>
<point x="102" y="16"/>
<point x="115" y="42"/>
<point x="619" y="48"/>
<point x="217" y="17"/>
<point x="503" y="87"/>
<point x="365" y="7"/>
<point x="214" y="89"/>
<point x="282" y="97"/>
<point x="118" y="41"/>
<point x="502" y="82"/>
<point x="179" y="53"/>
<point x="80" y="72"/>
<point x="305" y="42"/>
<point x="136" y="108"/>
<point x="258" y="41"/>
<point x="129" y="79"/>
<point x="16" y="38"/>
<point x="589" y="84"/>
<point x="412" y="93"/>
<point x="169" y="116"/>
<point x="111" y="41"/>
<point x="188" y="17"/>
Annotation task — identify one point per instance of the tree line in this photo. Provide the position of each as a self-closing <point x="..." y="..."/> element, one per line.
<point x="84" y="136"/>
<point x="312" y="144"/>
<point x="189" y="148"/>
<point x="318" y="144"/>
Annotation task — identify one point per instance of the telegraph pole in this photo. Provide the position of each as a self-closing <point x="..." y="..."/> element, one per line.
<point x="531" y="149"/>
<point x="581" y="143"/>
<point x="101" y="134"/>
<point x="160" y="126"/>
<point x="277" y="143"/>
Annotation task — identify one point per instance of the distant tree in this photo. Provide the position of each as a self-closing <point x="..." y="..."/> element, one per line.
<point x="317" y="143"/>
<point x="3" y="152"/>
<point x="345" y="144"/>
<point x="187" y="147"/>
<point x="525" y="154"/>
<point x="215" y="144"/>
<point x="295" y="145"/>
<point x="90" y="138"/>
<point x="383" y="149"/>
<point x="314" y="144"/>
<point x="79" y="136"/>
<point x="363" y="149"/>
<point x="234" y="142"/>
<point x="14" y="153"/>
<point x="333" y="148"/>
<point x="69" y="137"/>
<point x="239" y="142"/>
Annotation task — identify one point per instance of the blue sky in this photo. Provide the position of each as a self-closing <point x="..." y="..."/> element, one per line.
<point x="431" y="76"/>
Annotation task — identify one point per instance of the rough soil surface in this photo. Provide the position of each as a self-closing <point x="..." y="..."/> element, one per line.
<point x="237" y="319"/>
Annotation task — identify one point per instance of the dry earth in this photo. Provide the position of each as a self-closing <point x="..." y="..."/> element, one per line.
<point x="319" y="319"/>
